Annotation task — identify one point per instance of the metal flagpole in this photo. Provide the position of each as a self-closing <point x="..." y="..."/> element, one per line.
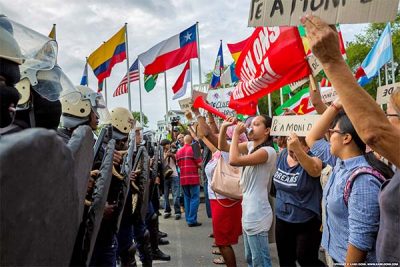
<point x="140" y="96"/>
<point x="269" y="105"/>
<point x="191" y="77"/>
<point x="166" y="99"/>
<point x="105" y="91"/>
<point x="386" y="75"/>
<point x="281" y="95"/>
<point x="393" y="70"/>
<point x="87" y="78"/>
<point x="198" y="50"/>
<point x="379" y="77"/>
<point x="127" y="69"/>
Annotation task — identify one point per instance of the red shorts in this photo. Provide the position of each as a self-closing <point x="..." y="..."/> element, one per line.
<point x="227" y="222"/>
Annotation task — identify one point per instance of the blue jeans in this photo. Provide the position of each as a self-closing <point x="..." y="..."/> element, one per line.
<point x="105" y="253"/>
<point x="256" y="250"/>
<point x="173" y="184"/>
<point x="192" y="200"/>
<point x="206" y="199"/>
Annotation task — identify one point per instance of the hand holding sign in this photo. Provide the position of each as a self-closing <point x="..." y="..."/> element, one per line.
<point x="293" y="143"/>
<point x="323" y="40"/>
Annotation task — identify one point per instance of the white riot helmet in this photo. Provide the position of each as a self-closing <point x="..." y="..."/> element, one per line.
<point x="78" y="113"/>
<point x="9" y="48"/>
<point x="122" y="121"/>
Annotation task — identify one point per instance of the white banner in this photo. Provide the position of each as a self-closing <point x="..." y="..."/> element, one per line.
<point x="186" y="104"/>
<point x="288" y="12"/>
<point x="219" y="99"/>
<point x="328" y="94"/>
<point x="383" y="93"/>
<point x="284" y="125"/>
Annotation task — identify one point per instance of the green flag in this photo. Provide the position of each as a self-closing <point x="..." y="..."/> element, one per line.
<point x="286" y="90"/>
<point x="150" y="82"/>
<point x="293" y="102"/>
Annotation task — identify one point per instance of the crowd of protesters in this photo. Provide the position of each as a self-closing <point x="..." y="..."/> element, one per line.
<point x="337" y="188"/>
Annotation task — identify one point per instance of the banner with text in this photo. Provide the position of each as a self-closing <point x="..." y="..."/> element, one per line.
<point x="301" y="124"/>
<point x="219" y="99"/>
<point x="186" y="104"/>
<point x="272" y="58"/>
<point x="383" y="93"/>
<point x="288" y="12"/>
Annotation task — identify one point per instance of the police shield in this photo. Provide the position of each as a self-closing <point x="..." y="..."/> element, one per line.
<point x="95" y="213"/>
<point x="81" y="146"/>
<point x="39" y="220"/>
<point x="145" y="175"/>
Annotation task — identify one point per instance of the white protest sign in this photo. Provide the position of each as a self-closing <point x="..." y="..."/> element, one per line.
<point x="314" y="63"/>
<point x="284" y="125"/>
<point x="294" y="85"/>
<point x="195" y="94"/>
<point x="328" y="94"/>
<point x="288" y="12"/>
<point x="219" y="99"/>
<point x="186" y="104"/>
<point x="383" y="93"/>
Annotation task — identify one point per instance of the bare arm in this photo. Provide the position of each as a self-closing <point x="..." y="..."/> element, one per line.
<point x="213" y="125"/>
<point x="210" y="146"/>
<point x="312" y="165"/>
<point x="222" y="143"/>
<point x="380" y="135"/>
<point x="315" y="96"/>
<point x="237" y="158"/>
<point x="321" y="126"/>
<point x="354" y="255"/>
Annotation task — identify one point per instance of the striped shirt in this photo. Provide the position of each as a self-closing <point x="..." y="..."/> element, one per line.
<point x="188" y="165"/>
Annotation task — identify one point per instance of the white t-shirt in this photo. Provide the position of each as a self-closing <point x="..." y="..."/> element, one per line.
<point x="255" y="182"/>
<point x="209" y="170"/>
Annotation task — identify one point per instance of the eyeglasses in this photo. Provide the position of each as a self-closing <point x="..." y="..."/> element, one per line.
<point x="392" y="115"/>
<point x="331" y="131"/>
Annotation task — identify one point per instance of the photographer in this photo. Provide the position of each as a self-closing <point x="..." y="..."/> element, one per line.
<point x="171" y="179"/>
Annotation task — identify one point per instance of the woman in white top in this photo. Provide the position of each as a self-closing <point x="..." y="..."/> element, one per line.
<point x="258" y="158"/>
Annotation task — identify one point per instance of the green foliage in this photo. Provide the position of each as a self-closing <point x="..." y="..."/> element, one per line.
<point x="136" y="116"/>
<point x="358" y="49"/>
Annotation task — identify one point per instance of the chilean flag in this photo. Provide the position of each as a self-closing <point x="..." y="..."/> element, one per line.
<point x="380" y="54"/>
<point x="170" y="52"/>
<point x="179" y="88"/>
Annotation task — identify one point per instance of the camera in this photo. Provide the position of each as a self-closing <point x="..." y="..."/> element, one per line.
<point x="174" y="121"/>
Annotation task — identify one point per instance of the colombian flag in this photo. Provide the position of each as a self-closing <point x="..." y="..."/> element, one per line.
<point x="107" y="55"/>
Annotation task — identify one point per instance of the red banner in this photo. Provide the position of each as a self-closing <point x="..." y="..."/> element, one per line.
<point x="273" y="57"/>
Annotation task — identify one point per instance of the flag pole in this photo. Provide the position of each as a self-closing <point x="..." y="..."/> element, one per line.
<point x="140" y="96"/>
<point x="105" y="90"/>
<point x="166" y="99"/>
<point x="386" y="74"/>
<point x="87" y="79"/>
<point x="281" y="95"/>
<point x="269" y="105"/>
<point x="198" y="50"/>
<point x="191" y="77"/>
<point x="127" y="69"/>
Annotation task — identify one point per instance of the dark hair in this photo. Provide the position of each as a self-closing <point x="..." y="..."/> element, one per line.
<point x="165" y="142"/>
<point x="346" y="126"/>
<point x="269" y="141"/>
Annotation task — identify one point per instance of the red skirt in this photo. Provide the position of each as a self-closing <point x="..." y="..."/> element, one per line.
<point x="227" y="222"/>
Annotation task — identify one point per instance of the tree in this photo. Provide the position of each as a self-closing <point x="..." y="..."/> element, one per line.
<point x="358" y="49"/>
<point x="136" y="116"/>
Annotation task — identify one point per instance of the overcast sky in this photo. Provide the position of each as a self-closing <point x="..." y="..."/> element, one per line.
<point x="83" y="25"/>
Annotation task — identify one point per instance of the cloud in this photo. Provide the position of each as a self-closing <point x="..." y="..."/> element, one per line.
<point x="82" y="26"/>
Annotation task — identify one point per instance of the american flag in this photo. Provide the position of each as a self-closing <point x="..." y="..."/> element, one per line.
<point x="133" y="76"/>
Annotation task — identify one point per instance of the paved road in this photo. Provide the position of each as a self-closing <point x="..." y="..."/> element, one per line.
<point x="191" y="247"/>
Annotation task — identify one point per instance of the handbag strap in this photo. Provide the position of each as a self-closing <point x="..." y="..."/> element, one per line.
<point x="223" y="205"/>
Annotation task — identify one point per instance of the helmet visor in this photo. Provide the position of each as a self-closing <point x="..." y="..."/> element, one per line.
<point x="99" y="107"/>
<point x="54" y="84"/>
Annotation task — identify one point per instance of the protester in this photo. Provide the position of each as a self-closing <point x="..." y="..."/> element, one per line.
<point x="297" y="206"/>
<point x="172" y="181"/>
<point x="258" y="158"/>
<point x="381" y="136"/>
<point x="190" y="181"/>
<point x="351" y="225"/>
